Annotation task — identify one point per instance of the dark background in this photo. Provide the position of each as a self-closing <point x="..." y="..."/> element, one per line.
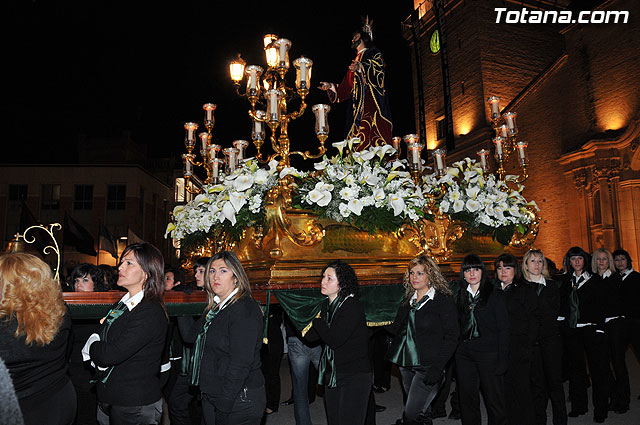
<point x="99" y="68"/>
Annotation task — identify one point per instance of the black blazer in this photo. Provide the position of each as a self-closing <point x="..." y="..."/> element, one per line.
<point x="136" y="342"/>
<point x="630" y="289"/>
<point x="522" y="305"/>
<point x="348" y="336"/>
<point x="492" y="317"/>
<point x="437" y="329"/>
<point x="231" y="358"/>
<point x="592" y="300"/>
<point x="548" y="309"/>
<point x="613" y="285"/>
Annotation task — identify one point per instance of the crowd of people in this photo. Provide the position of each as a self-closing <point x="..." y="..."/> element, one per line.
<point x="513" y="337"/>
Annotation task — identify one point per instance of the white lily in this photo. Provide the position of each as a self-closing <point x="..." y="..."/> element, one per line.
<point x="397" y="203"/>
<point x="355" y="206"/>
<point x="472" y="205"/>
<point x="340" y="146"/>
<point x="243" y="182"/>
<point x="229" y="212"/>
<point x="237" y="199"/>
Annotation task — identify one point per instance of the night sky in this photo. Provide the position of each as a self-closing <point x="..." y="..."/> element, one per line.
<point x="100" y="68"/>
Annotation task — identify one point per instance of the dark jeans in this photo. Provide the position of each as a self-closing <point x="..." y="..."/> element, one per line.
<point x="417" y="408"/>
<point x="300" y="356"/>
<point x="247" y="409"/>
<point x="579" y="341"/>
<point x="149" y="414"/>
<point x="476" y="372"/>
<point x="346" y="404"/>
<point x="546" y="381"/>
<point x="616" y="332"/>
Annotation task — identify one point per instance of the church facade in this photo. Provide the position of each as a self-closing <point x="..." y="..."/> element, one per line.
<point x="576" y="89"/>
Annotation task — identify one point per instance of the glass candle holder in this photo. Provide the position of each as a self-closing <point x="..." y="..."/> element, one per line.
<point x="187" y="171"/>
<point x="257" y="129"/>
<point x="498" y="143"/>
<point x="273" y="104"/>
<point x="190" y="138"/>
<point x="204" y="143"/>
<point x="241" y="146"/>
<point x="522" y="152"/>
<point x="322" y="124"/>
<point x="395" y="142"/>
<point x="282" y="46"/>
<point x="439" y="161"/>
<point x="510" y="120"/>
<point x="484" y="154"/>
<point x="270" y="52"/>
<point x="213" y="151"/>
<point x="209" y="119"/>
<point x="413" y="153"/>
<point x="253" y="72"/>
<point x="303" y="73"/>
<point x="494" y="104"/>
<point x="503" y="131"/>
<point x="216" y="164"/>
<point x="230" y="156"/>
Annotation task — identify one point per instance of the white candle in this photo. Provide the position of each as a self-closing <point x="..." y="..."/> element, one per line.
<point x="303" y="73"/>
<point x="498" y="146"/>
<point x="187" y="166"/>
<point x="521" y="150"/>
<point x="216" y="170"/>
<point x="252" y="79"/>
<point x="439" y="162"/>
<point x="415" y="155"/>
<point x="321" y="121"/>
<point x="483" y="161"/>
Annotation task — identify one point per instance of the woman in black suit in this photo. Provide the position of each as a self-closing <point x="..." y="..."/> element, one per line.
<point x="128" y="351"/>
<point x="34" y="341"/>
<point x="522" y="305"/>
<point x="345" y="368"/>
<point x="583" y="309"/>
<point x="482" y="355"/>
<point x="546" y="370"/>
<point x="615" y="329"/>
<point x="226" y="358"/>
<point x="426" y="335"/>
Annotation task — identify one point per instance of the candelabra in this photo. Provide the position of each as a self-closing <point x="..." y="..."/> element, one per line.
<point x="267" y="87"/>
<point x="505" y="141"/>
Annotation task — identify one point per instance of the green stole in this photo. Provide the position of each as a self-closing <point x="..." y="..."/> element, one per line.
<point x="403" y="350"/>
<point x="198" y="347"/>
<point x="112" y="316"/>
<point x="327" y="366"/>
<point x="574" y="308"/>
<point x="471" y="330"/>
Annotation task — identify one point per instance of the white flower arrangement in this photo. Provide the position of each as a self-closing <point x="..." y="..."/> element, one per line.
<point x="363" y="188"/>
<point x="238" y="200"/>
<point x="486" y="203"/>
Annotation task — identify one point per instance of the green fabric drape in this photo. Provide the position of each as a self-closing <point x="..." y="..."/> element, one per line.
<point x="404" y="351"/>
<point x="111" y="317"/>
<point x="380" y="303"/>
<point x="327" y="366"/>
<point x="471" y="330"/>
<point x="198" y="347"/>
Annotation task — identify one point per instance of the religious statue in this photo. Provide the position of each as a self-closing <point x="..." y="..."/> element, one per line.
<point x="369" y="118"/>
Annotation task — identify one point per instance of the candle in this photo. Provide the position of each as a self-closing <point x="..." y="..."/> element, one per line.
<point x="283" y="52"/>
<point x="240" y="145"/>
<point x="439" y="162"/>
<point x="494" y="102"/>
<point x="522" y="151"/>
<point x="503" y="131"/>
<point x="483" y="158"/>
<point x="415" y="155"/>
<point x="510" y="119"/>
<point x="208" y="114"/>
<point x="213" y="151"/>
<point x="273" y="112"/>
<point x="498" y="141"/>
<point x="395" y="141"/>
<point x="438" y="156"/>
<point x="187" y="165"/>
<point x="191" y="127"/>
<point x="258" y="128"/>
<point x="204" y="139"/>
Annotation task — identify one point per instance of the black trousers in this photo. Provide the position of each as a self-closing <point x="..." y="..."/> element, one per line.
<point x="346" y="404"/>
<point x="616" y="332"/>
<point x="517" y="382"/>
<point x="578" y="342"/>
<point x="248" y="409"/>
<point x="546" y="380"/>
<point x="439" y="404"/>
<point x="633" y="328"/>
<point x="149" y="414"/>
<point x="417" y="408"/>
<point x="476" y="372"/>
<point x="379" y="344"/>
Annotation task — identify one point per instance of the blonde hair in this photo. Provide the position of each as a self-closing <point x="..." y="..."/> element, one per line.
<point x="31" y="296"/>
<point x="436" y="280"/>
<point x="525" y="260"/>
<point x="594" y="262"/>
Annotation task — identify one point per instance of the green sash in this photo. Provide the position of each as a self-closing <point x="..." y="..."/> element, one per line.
<point x="574" y="308"/>
<point x="540" y="288"/>
<point x="327" y="367"/>
<point x="403" y="350"/>
<point x="112" y="316"/>
<point x="198" y="347"/>
<point x="471" y="330"/>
